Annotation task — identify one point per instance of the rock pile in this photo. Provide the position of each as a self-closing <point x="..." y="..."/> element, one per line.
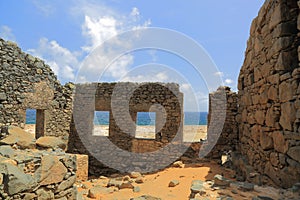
<point x="30" y="173"/>
<point x="105" y="185"/>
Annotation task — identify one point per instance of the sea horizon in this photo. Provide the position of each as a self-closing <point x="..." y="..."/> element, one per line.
<point x="143" y="118"/>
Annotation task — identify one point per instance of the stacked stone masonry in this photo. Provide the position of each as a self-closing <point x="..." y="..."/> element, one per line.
<point x="123" y="101"/>
<point x="27" y="82"/>
<point x="222" y="125"/>
<point x="269" y="93"/>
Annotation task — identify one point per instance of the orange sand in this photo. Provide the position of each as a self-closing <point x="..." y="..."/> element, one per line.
<point x="157" y="184"/>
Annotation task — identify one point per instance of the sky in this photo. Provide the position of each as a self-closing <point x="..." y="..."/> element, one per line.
<point x="66" y="33"/>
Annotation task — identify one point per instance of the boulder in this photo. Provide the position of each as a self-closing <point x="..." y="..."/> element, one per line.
<point x="51" y="170"/>
<point x="20" y="137"/>
<point x="16" y="180"/>
<point x="51" y="142"/>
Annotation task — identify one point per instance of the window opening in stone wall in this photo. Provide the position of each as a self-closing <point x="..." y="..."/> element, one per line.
<point x="35" y="122"/>
<point x="145" y="125"/>
<point x="101" y="123"/>
<point x="195" y="126"/>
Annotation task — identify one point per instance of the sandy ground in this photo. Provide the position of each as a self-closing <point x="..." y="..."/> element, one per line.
<point x="30" y="128"/>
<point x="191" y="133"/>
<point x="157" y="185"/>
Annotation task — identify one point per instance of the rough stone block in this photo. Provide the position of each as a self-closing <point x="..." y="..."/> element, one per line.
<point x="280" y="144"/>
<point x="288" y="116"/>
<point x="82" y="167"/>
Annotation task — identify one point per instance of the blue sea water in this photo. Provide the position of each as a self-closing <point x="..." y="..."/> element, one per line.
<point x="143" y="118"/>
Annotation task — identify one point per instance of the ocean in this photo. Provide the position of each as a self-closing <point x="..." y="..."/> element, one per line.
<point x="143" y="118"/>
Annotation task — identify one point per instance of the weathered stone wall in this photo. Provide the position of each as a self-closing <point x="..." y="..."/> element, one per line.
<point x="27" y="82"/>
<point x="123" y="101"/>
<point x="269" y="94"/>
<point x="227" y="139"/>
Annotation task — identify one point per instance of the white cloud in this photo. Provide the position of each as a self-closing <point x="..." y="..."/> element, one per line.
<point x="228" y="81"/>
<point x="6" y="33"/>
<point x="135" y="12"/>
<point x="98" y="24"/>
<point x="62" y="61"/>
<point x="220" y="74"/>
<point x="98" y="30"/>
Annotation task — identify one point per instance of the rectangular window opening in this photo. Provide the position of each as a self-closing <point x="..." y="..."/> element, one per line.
<point x="195" y="126"/>
<point x="145" y="125"/>
<point x="101" y="123"/>
<point x="35" y="122"/>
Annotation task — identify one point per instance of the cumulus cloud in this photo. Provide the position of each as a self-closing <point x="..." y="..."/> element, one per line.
<point x="62" y="61"/>
<point x="98" y="30"/>
<point x="98" y="24"/>
<point x="7" y="34"/>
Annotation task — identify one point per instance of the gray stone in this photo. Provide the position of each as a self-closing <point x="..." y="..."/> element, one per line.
<point x="245" y="186"/>
<point x="197" y="187"/>
<point x="66" y="184"/>
<point x="7" y="151"/>
<point x="16" y="180"/>
<point x="44" y="194"/>
<point x="136" y="189"/>
<point x="173" y="183"/>
<point x="219" y="180"/>
<point x="294" y="152"/>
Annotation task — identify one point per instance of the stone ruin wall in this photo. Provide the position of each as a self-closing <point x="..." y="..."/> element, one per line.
<point x="269" y="94"/>
<point x="226" y="140"/>
<point x="164" y="99"/>
<point x="27" y="82"/>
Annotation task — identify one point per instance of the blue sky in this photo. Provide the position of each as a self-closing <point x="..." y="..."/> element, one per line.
<point x="64" y="32"/>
